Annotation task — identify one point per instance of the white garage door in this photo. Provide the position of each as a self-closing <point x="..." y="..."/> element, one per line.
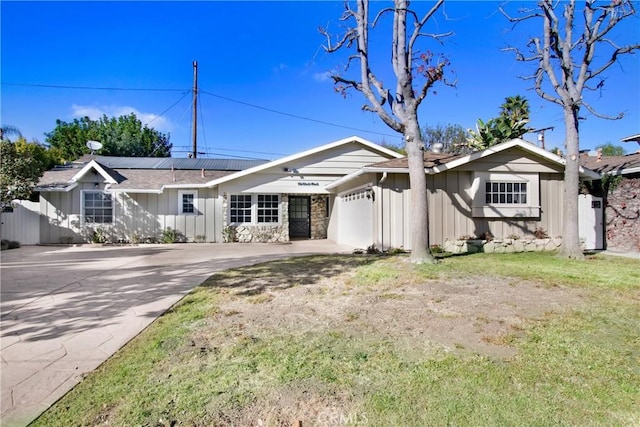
<point x="355" y="218"/>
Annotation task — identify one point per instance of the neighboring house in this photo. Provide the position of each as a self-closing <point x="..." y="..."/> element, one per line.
<point x="351" y="191"/>
<point x="621" y="192"/>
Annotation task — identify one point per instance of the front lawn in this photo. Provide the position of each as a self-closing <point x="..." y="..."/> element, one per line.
<point x="482" y="340"/>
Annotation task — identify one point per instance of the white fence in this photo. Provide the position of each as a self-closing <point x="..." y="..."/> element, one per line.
<point x="23" y="224"/>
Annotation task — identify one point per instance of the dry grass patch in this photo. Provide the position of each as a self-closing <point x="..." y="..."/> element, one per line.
<point x="372" y="340"/>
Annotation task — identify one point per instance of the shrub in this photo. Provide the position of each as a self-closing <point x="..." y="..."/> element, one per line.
<point x="540" y="233"/>
<point x="200" y="238"/>
<point x="98" y="236"/>
<point x="9" y="244"/>
<point x="486" y="236"/>
<point x="169" y="235"/>
<point x="229" y="234"/>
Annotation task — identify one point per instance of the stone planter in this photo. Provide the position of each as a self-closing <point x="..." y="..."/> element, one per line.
<point x="499" y="246"/>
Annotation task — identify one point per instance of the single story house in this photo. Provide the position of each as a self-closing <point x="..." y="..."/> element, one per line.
<point x="351" y="191"/>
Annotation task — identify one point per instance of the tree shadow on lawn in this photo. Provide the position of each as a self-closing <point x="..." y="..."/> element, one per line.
<point x="286" y="273"/>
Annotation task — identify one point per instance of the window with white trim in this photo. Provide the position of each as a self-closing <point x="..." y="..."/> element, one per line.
<point x="188" y="202"/>
<point x="509" y="193"/>
<point x="254" y="208"/>
<point x="268" y="211"/>
<point x="97" y="207"/>
<point x="505" y="195"/>
<point x="240" y="208"/>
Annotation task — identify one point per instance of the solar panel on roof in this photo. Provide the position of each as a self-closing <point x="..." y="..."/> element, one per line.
<point x="168" y="163"/>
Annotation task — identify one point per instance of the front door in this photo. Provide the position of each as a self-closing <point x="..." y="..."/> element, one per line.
<point x="299" y="216"/>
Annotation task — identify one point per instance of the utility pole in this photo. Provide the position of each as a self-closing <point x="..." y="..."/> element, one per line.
<point x="194" y="137"/>
<point x="541" y="135"/>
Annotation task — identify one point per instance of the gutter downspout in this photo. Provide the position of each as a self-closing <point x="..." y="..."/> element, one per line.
<point x="382" y="180"/>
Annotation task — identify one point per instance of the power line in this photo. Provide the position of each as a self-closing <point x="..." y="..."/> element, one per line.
<point x="91" y="87"/>
<point x="170" y="107"/>
<point x="217" y="154"/>
<point x="271" y="110"/>
<point x="248" y="104"/>
<point x="239" y="151"/>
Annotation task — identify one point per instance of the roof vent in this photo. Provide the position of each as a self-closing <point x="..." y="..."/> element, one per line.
<point x="437" y="147"/>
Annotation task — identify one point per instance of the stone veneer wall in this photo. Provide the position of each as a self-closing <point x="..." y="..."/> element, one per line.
<point x="501" y="245"/>
<point x="259" y="233"/>
<point x="623" y="216"/>
<point x="319" y="220"/>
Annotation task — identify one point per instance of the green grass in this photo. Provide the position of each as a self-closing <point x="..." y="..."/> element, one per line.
<point x="579" y="368"/>
<point x="544" y="267"/>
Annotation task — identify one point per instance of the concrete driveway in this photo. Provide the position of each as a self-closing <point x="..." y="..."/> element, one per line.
<point x="65" y="310"/>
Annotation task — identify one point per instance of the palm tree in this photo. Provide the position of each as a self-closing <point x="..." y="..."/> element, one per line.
<point x="9" y="130"/>
<point x="516" y="108"/>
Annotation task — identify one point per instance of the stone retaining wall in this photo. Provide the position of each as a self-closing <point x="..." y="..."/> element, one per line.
<point x="501" y="245"/>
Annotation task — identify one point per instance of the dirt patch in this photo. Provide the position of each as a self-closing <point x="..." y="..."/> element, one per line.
<point x="477" y="314"/>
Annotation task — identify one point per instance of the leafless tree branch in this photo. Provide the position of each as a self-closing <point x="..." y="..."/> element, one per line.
<point x="600" y="115"/>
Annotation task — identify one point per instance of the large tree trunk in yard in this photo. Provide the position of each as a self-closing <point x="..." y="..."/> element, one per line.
<point x="419" y="213"/>
<point x="570" y="231"/>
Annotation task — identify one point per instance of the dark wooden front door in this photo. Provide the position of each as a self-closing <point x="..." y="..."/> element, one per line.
<point x="299" y="216"/>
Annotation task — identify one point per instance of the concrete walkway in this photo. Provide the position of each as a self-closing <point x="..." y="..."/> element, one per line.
<point x="65" y="310"/>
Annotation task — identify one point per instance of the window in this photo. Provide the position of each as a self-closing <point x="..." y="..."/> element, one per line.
<point x="505" y="195"/>
<point x="268" y="208"/>
<point x="97" y="207"/>
<point x="254" y="209"/>
<point x="510" y="193"/>
<point x="240" y="208"/>
<point x="327" y="208"/>
<point x="187" y="202"/>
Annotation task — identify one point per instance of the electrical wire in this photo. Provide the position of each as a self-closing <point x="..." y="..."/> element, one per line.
<point x="91" y="87"/>
<point x="219" y="154"/>
<point x="204" y="135"/>
<point x="248" y="104"/>
<point x="170" y="107"/>
<point x="271" y="110"/>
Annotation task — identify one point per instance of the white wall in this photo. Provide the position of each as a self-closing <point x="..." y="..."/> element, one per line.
<point x="23" y="224"/>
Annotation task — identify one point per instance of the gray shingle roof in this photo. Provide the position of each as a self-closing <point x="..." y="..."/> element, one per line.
<point x="611" y="163"/>
<point x="170" y="162"/>
<point x="147" y="173"/>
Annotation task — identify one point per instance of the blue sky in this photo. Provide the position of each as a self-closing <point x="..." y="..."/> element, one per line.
<point x="259" y="56"/>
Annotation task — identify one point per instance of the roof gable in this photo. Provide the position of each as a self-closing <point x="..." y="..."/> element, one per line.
<point x="437" y="163"/>
<point x="110" y="176"/>
<point x="308" y="153"/>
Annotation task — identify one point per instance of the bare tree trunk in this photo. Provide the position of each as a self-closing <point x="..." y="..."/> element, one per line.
<point x="570" y="237"/>
<point x="420" y="252"/>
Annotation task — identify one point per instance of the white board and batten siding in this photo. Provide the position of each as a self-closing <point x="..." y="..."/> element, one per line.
<point x="141" y="215"/>
<point x="148" y="214"/>
<point x="22" y="224"/>
<point x="306" y="175"/>
<point x="450" y="210"/>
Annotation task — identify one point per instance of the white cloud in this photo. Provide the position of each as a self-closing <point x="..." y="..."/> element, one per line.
<point x="322" y="77"/>
<point x="94" y="113"/>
